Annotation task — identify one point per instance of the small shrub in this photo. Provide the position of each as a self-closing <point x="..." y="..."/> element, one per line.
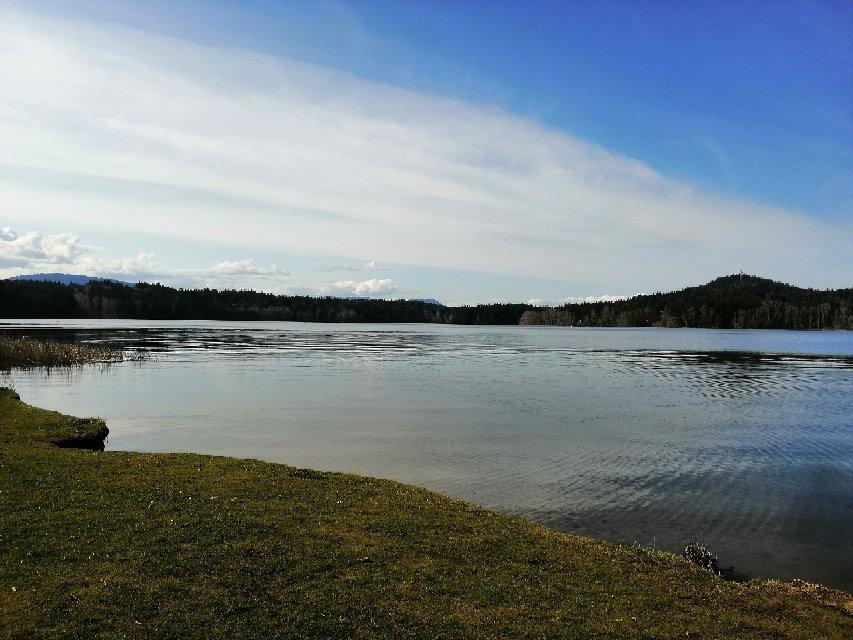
<point x="699" y="554"/>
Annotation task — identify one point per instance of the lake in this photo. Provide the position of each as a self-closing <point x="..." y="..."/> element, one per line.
<point x="742" y="440"/>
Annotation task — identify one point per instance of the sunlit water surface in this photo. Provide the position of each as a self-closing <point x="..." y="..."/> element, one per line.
<point x="740" y="439"/>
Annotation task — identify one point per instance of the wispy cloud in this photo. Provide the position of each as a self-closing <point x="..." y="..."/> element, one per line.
<point x="244" y="267"/>
<point x="370" y="265"/>
<point x="133" y="132"/>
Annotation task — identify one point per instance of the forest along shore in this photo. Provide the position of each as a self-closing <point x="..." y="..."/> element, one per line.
<point x="105" y="543"/>
<point x="731" y="302"/>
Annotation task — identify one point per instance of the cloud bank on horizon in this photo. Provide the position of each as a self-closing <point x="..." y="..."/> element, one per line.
<point x="117" y="133"/>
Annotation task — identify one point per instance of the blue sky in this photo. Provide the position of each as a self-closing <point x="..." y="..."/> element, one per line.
<point x="658" y="145"/>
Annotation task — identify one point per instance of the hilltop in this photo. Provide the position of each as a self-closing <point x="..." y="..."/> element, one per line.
<point x="737" y="301"/>
<point x="732" y="302"/>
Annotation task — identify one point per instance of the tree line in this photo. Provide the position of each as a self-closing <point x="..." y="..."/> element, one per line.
<point x="106" y="299"/>
<point x="738" y="301"/>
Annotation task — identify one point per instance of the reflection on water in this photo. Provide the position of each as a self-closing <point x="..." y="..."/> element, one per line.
<point x="742" y="440"/>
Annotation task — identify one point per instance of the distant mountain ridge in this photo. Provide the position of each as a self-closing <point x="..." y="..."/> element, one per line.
<point x="67" y="278"/>
<point x="732" y="302"/>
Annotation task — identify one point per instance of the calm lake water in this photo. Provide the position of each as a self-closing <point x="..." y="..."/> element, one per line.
<point x="740" y="439"/>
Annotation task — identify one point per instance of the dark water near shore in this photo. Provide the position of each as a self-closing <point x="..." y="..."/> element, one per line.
<point x="743" y="440"/>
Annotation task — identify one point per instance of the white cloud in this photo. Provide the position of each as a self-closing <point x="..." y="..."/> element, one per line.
<point x="372" y="265"/>
<point x="373" y="287"/>
<point x="34" y="248"/>
<point x="140" y="265"/>
<point x="136" y="133"/>
<point x="34" y="252"/>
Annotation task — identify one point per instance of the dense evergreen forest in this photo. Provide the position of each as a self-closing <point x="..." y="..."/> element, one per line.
<point x="737" y="301"/>
<point x="731" y="302"/>
<point x="106" y="299"/>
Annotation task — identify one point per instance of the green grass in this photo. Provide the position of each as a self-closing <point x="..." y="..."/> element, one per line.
<point x="28" y="352"/>
<point x="125" y="545"/>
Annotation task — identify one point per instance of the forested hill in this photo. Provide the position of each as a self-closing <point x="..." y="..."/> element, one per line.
<point x="737" y="301"/>
<point x="731" y="302"/>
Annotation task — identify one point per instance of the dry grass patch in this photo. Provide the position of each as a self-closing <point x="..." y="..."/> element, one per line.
<point x="29" y="352"/>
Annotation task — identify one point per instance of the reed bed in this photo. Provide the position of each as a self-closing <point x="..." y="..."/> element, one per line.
<point x="30" y="352"/>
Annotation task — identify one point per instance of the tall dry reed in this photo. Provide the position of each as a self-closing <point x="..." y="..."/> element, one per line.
<point x="29" y="352"/>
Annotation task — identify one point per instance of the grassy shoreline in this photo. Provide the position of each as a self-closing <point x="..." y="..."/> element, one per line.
<point x="131" y="545"/>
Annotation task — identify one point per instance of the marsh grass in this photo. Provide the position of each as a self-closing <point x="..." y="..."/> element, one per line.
<point x="29" y="352"/>
<point x="129" y="545"/>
